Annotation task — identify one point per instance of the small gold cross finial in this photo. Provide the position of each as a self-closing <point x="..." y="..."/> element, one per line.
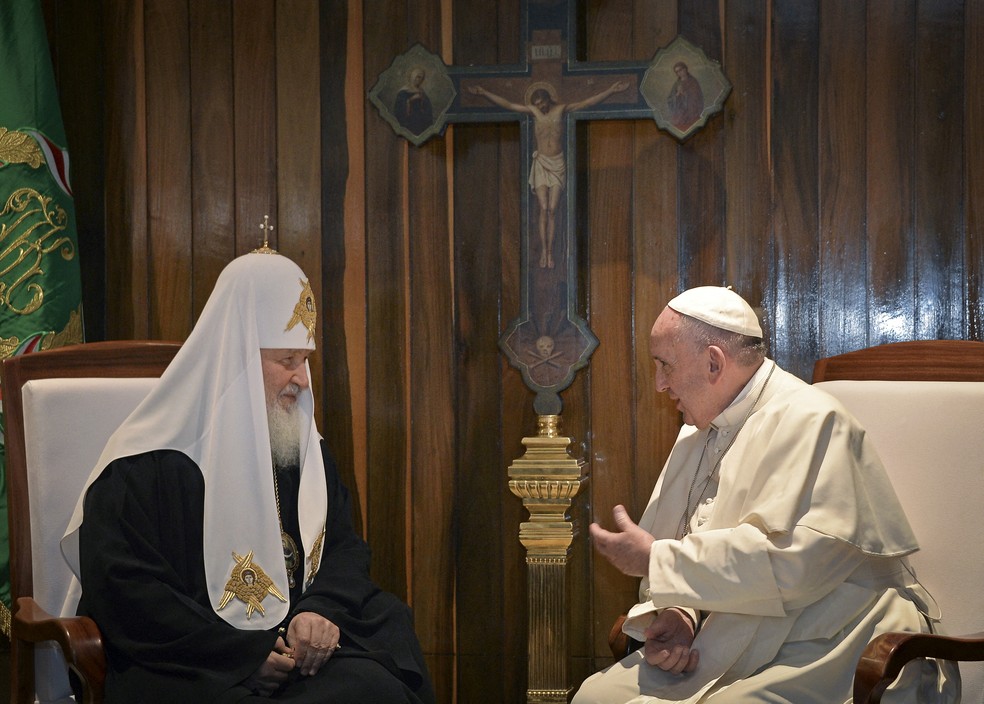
<point x="267" y="228"/>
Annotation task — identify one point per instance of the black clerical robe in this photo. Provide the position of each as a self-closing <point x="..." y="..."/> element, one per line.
<point x="143" y="582"/>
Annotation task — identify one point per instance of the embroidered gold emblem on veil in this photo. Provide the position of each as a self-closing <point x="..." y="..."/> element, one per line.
<point x="250" y="584"/>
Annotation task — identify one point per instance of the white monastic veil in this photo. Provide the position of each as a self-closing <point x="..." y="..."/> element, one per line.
<point x="210" y="405"/>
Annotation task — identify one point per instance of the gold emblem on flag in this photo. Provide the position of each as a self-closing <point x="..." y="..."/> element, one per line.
<point x="33" y="232"/>
<point x="19" y="148"/>
<point x="305" y="311"/>
<point x="250" y="584"/>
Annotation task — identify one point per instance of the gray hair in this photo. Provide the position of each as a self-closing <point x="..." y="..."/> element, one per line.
<point x="742" y="348"/>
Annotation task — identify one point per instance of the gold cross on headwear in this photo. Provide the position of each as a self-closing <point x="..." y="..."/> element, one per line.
<point x="267" y="228"/>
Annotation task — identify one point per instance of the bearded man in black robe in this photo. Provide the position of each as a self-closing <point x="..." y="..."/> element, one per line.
<point x="214" y="542"/>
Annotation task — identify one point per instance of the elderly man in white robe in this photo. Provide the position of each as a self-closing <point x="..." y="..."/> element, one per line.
<point x="773" y="546"/>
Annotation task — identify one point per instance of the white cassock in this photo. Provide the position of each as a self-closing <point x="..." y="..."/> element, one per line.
<point x="795" y="561"/>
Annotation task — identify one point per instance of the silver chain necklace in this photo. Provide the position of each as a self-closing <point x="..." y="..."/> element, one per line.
<point x="688" y="512"/>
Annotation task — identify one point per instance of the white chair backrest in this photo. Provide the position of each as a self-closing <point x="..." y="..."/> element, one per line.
<point x="66" y="425"/>
<point x="930" y="436"/>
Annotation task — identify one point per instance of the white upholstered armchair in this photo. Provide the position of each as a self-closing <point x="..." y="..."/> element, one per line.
<point x="60" y="406"/>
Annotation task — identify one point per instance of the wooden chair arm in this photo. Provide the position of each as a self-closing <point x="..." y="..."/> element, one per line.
<point x="77" y="636"/>
<point x="620" y="643"/>
<point x="884" y="657"/>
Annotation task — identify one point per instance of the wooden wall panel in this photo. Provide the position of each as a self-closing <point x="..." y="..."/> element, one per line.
<point x="889" y="165"/>
<point x="700" y="162"/>
<point x="170" y="251"/>
<point x="255" y="120"/>
<point x="795" y="87"/>
<point x="842" y="256"/>
<point x="841" y="189"/>
<point x="213" y="144"/>
<point x="387" y="339"/>
<point x="938" y="90"/>
<point x="432" y="467"/>
<point x="343" y="252"/>
<point x="973" y="170"/>
<point x="126" y="297"/>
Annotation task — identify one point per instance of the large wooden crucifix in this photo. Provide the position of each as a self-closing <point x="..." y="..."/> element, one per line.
<point x="548" y="92"/>
<point x="548" y="342"/>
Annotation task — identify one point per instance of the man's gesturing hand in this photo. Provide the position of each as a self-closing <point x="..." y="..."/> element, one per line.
<point x="668" y="641"/>
<point x="627" y="548"/>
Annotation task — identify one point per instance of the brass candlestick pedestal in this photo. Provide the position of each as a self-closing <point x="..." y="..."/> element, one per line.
<point x="547" y="479"/>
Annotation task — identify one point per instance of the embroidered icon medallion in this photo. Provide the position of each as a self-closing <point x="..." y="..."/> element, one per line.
<point x="250" y="584"/>
<point x="305" y="311"/>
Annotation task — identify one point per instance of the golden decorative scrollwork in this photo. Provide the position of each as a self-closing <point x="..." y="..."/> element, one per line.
<point x="33" y="234"/>
<point x="19" y="148"/>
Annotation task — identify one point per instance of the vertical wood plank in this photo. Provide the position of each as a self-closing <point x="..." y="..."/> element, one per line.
<point x="938" y="260"/>
<point x="342" y="252"/>
<point x="387" y="339"/>
<point x="213" y="194"/>
<point x="126" y="171"/>
<point x="890" y="164"/>
<point x="748" y="185"/>
<point x="701" y="165"/>
<point x="169" y="169"/>
<point x="254" y="78"/>
<point x="479" y="497"/>
<point x="973" y="169"/>
<point x="433" y="425"/>
<point x="794" y="146"/>
<point x="842" y="257"/>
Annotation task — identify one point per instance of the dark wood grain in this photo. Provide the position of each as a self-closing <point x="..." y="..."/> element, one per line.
<point x="939" y="269"/>
<point x="973" y="169"/>
<point x="126" y="172"/>
<point x="387" y="321"/>
<point x="795" y="82"/>
<point x="213" y="144"/>
<point x="841" y="254"/>
<point x="889" y="171"/>
<point x="254" y="120"/>
<point x="168" y="92"/>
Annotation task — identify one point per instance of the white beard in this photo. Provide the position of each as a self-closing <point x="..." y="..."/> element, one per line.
<point x="285" y="437"/>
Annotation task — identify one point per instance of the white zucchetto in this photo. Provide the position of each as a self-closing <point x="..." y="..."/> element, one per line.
<point x="720" y="307"/>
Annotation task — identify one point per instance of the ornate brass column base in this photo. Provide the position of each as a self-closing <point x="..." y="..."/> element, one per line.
<point x="547" y="479"/>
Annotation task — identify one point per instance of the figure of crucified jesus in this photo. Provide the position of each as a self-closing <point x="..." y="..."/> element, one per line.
<point x="548" y="174"/>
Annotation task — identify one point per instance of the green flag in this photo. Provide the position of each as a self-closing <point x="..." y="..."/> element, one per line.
<point x="40" y="287"/>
